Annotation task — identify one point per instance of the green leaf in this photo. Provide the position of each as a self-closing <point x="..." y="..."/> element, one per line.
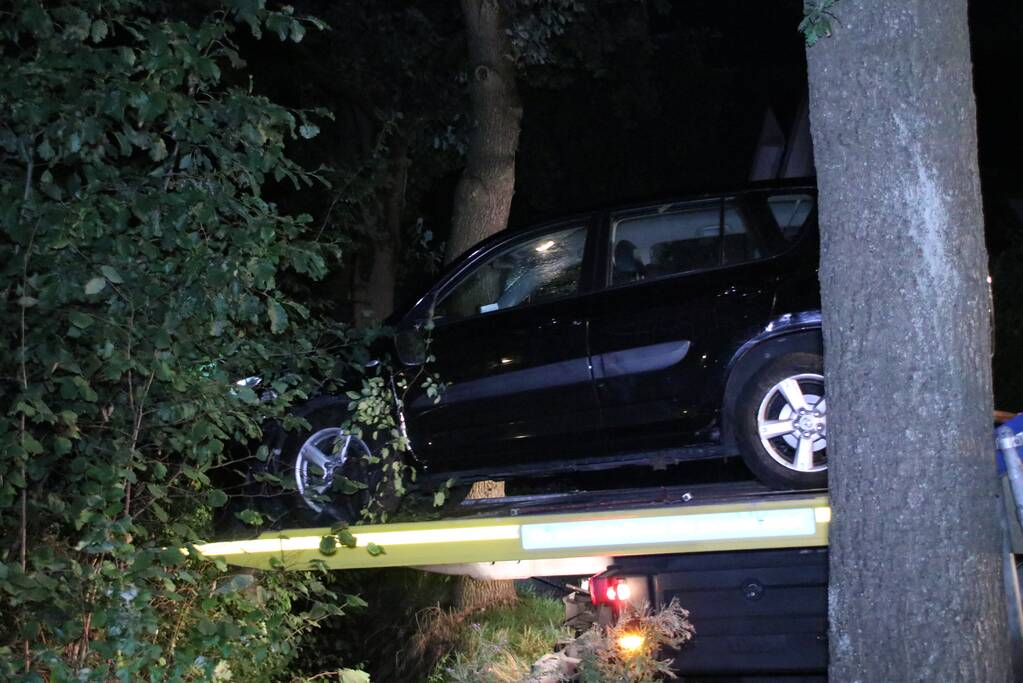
<point x="328" y="545"/>
<point x="278" y="316"/>
<point x="374" y="549"/>
<point x="29" y="443"/>
<point x="158" y="150"/>
<point x="206" y="627"/>
<point x="354" y="676"/>
<point x="111" y="274"/>
<point x="27" y="301"/>
<point x="346" y="538"/>
<point x="355" y="601"/>
<point x="308" y="130"/>
<point x="159" y="512"/>
<point x="98" y="31"/>
<point x="247" y="395"/>
<point x="79" y="319"/>
<point x="217" y="498"/>
<point x="349" y="486"/>
<point x="46" y="152"/>
<point x="171" y="557"/>
<point x="95" y="285"/>
<point x="250" y="517"/>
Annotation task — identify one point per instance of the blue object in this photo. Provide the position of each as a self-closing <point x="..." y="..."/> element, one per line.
<point x="1016" y="425"/>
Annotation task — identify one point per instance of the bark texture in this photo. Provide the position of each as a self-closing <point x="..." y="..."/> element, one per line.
<point x="484" y="192"/>
<point x="915" y="542"/>
<point x="473" y="594"/>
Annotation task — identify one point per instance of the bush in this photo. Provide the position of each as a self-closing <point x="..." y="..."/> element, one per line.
<point x="630" y="650"/>
<point x="142" y="271"/>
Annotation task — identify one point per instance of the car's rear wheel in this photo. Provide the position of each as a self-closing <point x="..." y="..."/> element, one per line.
<point x="781" y="422"/>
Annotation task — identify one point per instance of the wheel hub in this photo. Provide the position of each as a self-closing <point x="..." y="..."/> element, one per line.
<point x="810" y="424"/>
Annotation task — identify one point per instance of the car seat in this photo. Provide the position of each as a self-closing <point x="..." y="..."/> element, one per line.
<point x="628" y="264"/>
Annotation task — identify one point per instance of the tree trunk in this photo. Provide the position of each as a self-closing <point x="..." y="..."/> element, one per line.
<point x="484" y="193"/>
<point x="473" y="594"/>
<point x="483" y="197"/>
<point x="915" y="540"/>
<point x="373" y="294"/>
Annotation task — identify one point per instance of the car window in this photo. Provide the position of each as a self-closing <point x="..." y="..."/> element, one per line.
<point x="790" y="213"/>
<point x="660" y="244"/>
<point x="540" y="268"/>
<point x="741" y="242"/>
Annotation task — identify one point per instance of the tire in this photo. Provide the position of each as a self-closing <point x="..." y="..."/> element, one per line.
<point x="308" y="463"/>
<point x="781" y="422"/>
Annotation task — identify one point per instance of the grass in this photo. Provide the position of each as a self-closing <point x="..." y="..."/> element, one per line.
<point x="499" y="645"/>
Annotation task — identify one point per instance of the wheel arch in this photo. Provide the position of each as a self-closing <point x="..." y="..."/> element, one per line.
<point x="753" y="356"/>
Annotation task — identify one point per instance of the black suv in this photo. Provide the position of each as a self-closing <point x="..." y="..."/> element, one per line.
<point x="648" y="334"/>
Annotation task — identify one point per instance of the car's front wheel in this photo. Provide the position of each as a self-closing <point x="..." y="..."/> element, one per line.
<point x="781" y="422"/>
<point x="327" y="469"/>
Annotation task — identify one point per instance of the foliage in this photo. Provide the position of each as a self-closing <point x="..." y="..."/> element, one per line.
<point x="142" y="270"/>
<point x="603" y="660"/>
<point x="501" y="645"/>
<point x="817" y="18"/>
<point x="498" y="645"/>
<point x="536" y="27"/>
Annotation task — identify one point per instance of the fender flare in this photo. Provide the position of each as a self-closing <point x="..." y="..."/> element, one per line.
<point x="803" y="336"/>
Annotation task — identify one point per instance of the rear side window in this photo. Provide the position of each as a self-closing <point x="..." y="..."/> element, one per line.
<point x="675" y="239"/>
<point x="671" y="242"/>
<point x="790" y="213"/>
<point x="660" y="244"/>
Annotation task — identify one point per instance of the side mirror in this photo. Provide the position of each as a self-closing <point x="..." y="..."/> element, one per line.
<point x="411" y="346"/>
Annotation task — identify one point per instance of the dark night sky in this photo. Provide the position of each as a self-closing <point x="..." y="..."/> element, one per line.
<point x="689" y="116"/>
<point x="684" y="119"/>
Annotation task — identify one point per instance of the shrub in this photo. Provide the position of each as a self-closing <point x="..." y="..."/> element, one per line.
<point x="142" y="269"/>
<point x="606" y="657"/>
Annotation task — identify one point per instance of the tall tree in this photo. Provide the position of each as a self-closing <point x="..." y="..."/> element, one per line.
<point x="915" y="541"/>
<point x="484" y="193"/>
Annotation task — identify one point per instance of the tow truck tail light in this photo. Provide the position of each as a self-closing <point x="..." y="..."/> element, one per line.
<point x="609" y="590"/>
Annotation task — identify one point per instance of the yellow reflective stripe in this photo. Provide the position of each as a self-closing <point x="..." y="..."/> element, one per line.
<point x="381" y="538"/>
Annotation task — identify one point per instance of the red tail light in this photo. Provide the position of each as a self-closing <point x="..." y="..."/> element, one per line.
<point x="609" y="590"/>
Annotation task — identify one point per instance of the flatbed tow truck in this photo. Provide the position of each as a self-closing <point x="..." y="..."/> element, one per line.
<point x="749" y="563"/>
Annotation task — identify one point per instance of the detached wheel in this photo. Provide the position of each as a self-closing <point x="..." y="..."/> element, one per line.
<point x="781" y="422"/>
<point x="315" y="463"/>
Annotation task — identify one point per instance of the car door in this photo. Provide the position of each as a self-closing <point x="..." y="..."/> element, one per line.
<point x="685" y="283"/>
<point x="510" y="344"/>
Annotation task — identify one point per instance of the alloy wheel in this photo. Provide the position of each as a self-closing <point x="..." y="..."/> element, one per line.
<point x="792" y="423"/>
<point x="320" y="460"/>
